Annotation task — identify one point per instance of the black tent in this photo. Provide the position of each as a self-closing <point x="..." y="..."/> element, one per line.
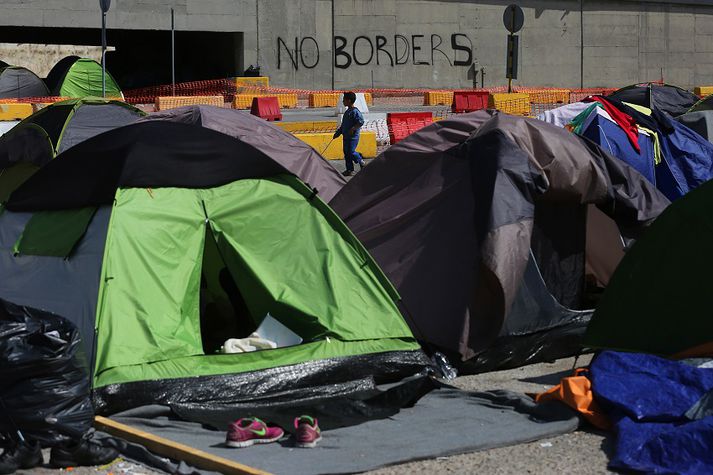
<point x="670" y="99"/>
<point x="16" y="82"/>
<point x="480" y="223"/>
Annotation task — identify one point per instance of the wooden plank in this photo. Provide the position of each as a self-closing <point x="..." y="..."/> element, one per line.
<point x="174" y="450"/>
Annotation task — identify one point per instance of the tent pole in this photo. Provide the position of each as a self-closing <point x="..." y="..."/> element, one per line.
<point x="173" y="55"/>
<point x="103" y="54"/>
<point x="334" y="58"/>
<point x="581" y="44"/>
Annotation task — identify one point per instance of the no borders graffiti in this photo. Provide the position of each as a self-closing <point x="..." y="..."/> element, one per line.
<point x="420" y="50"/>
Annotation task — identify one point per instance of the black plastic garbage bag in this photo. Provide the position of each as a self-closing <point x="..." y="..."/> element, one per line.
<point x="44" y="381"/>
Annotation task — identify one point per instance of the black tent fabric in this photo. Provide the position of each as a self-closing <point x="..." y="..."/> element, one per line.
<point x="673" y="100"/>
<point x="296" y="156"/>
<point x="450" y="215"/>
<point x="17" y="82"/>
<point x="80" y="179"/>
<point x="56" y="76"/>
<point x="704" y="104"/>
<point x="59" y="126"/>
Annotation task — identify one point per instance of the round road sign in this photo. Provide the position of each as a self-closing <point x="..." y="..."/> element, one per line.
<point x="513" y="18"/>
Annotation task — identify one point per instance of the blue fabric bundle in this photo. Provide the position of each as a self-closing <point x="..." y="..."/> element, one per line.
<point x="648" y="399"/>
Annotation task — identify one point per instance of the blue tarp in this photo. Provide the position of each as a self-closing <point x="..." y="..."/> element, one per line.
<point x="613" y="139"/>
<point x="687" y="157"/>
<point x="647" y="398"/>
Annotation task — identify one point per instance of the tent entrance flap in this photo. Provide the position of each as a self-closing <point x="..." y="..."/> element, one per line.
<point x="223" y="311"/>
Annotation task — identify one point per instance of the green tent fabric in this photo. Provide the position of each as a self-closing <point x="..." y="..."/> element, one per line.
<point x="81" y="77"/>
<point x="172" y="263"/>
<point x="659" y="299"/>
<point x="154" y="254"/>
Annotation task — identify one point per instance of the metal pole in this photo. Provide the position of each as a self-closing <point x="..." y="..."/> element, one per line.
<point x="103" y="54"/>
<point x="334" y="57"/>
<point x="173" y="54"/>
<point x="581" y="44"/>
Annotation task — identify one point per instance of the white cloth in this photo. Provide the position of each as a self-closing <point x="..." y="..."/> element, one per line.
<point x="563" y="115"/>
<point x="245" y="345"/>
<point x="7" y="125"/>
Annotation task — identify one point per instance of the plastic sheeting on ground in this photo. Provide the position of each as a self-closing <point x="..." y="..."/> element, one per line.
<point x="446" y="421"/>
<point x="650" y="399"/>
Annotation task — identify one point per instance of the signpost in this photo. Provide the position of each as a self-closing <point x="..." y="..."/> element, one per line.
<point x="513" y="19"/>
<point x="173" y="54"/>
<point x="104" y="5"/>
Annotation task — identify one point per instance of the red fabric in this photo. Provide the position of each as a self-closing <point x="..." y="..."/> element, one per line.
<point x="625" y="121"/>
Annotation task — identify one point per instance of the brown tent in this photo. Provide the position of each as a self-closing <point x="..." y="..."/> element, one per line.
<point x="284" y="148"/>
<point x="480" y="223"/>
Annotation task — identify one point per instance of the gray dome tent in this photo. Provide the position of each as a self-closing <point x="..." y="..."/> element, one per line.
<point x="17" y="82"/>
<point x="480" y="223"/>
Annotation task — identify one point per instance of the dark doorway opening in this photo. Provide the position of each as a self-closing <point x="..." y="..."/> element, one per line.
<point x="143" y="57"/>
<point x="224" y="313"/>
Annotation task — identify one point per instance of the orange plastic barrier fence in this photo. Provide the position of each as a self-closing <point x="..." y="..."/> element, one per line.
<point x="438" y="98"/>
<point x="170" y="102"/>
<point x="403" y="124"/>
<point x="516" y="103"/>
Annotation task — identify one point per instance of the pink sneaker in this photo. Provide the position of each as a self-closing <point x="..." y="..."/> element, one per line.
<point x="308" y="433"/>
<point x="251" y="430"/>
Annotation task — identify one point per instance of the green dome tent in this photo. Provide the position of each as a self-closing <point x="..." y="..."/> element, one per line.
<point x="80" y="77"/>
<point x="180" y="237"/>
<point x="16" y="82"/>
<point x="39" y="138"/>
<point x="659" y="299"/>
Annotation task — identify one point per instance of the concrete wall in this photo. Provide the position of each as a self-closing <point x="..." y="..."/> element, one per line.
<point x="623" y="41"/>
<point x="41" y="58"/>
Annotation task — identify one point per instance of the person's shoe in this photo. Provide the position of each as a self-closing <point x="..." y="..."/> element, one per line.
<point x="308" y="432"/>
<point x="348" y="172"/>
<point x="251" y="430"/>
<point x="21" y="456"/>
<point x="85" y="453"/>
<point x="361" y="165"/>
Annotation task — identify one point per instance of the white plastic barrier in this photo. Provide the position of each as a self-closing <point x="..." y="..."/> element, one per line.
<point x="359" y="104"/>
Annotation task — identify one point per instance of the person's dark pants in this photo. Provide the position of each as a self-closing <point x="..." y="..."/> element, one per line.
<point x="351" y="156"/>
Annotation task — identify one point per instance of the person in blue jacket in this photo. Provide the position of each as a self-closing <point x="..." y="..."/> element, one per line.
<point x="349" y="130"/>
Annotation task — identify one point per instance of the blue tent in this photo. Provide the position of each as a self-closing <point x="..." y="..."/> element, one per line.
<point x="687" y="158"/>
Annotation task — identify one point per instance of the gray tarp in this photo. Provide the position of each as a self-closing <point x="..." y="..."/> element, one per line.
<point x="448" y="214"/>
<point x="700" y="122"/>
<point x="444" y="422"/>
<point x="92" y="119"/>
<point x="18" y="82"/>
<point x="284" y="148"/>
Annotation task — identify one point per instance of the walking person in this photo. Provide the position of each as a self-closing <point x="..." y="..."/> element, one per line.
<point x="349" y="130"/>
